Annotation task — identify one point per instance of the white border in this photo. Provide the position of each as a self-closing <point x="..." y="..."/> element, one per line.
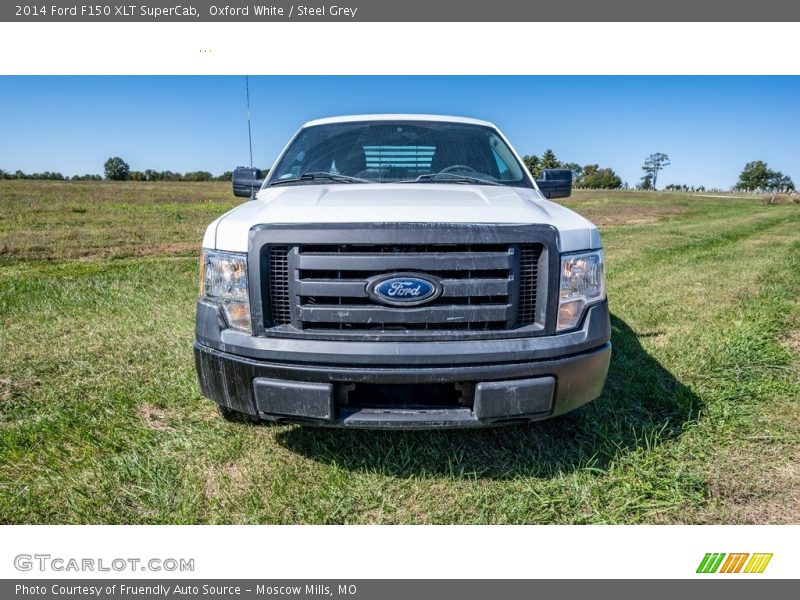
<point x="362" y="48"/>
<point x="430" y="552"/>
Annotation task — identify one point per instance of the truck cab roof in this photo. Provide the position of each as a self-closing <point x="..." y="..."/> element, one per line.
<point x="398" y="117"/>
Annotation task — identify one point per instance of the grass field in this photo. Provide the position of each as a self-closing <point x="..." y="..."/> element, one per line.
<point x="101" y="420"/>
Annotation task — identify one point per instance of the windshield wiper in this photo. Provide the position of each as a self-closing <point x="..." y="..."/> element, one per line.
<point x="449" y="177"/>
<point x="338" y="177"/>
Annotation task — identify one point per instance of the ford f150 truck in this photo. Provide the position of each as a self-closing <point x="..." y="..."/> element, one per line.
<point x="401" y="271"/>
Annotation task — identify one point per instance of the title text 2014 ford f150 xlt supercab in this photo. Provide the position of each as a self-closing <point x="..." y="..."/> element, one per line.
<point x="401" y="271"/>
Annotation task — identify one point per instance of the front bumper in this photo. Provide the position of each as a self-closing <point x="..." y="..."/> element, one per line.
<point x="302" y="380"/>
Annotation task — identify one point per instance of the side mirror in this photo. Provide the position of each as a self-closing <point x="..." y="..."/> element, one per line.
<point x="555" y="183"/>
<point x="246" y="181"/>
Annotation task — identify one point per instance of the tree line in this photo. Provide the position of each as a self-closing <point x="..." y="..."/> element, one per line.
<point x="593" y="176"/>
<point x="116" y="169"/>
<point x="756" y="176"/>
<point x="47" y="175"/>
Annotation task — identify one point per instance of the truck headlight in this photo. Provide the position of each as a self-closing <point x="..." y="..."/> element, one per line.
<point x="223" y="278"/>
<point x="583" y="282"/>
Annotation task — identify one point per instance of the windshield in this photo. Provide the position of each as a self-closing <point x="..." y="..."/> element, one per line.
<point x="398" y="151"/>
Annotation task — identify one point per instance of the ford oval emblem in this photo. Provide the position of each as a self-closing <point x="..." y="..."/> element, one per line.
<point x="404" y="289"/>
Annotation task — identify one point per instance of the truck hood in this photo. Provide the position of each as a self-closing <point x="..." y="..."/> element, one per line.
<point x="393" y="203"/>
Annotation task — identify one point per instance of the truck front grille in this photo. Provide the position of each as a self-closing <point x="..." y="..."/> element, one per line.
<point x="322" y="287"/>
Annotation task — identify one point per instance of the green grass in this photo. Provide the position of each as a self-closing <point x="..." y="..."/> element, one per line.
<point x="101" y="420"/>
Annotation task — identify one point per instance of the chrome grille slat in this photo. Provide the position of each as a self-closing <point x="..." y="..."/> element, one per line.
<point x="423" y="314"/>
<point x="416" y="261"/>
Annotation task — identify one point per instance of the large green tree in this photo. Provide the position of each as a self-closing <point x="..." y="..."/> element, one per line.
<point x="756" y="175"/>
<point x="596" y="178"/>
<point x="549" y="160"/>
<point x="652" y="165"/>
<point x="116" y="169"/>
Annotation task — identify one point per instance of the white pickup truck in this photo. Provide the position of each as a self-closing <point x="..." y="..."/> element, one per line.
<point x="401" y="271"/>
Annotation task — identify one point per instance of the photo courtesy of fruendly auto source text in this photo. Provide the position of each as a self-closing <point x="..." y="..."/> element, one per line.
<point x="390" y="269"/>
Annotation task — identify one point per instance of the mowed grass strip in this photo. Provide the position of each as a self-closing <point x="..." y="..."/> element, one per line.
<point x="101" y="420"/>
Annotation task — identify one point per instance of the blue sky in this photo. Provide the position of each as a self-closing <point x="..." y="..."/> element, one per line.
<point x="709" y="126"/>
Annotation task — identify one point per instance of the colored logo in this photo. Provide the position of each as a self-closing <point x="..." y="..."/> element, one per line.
<point x="742" y="562"/>
<point x="404" y="289"/>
